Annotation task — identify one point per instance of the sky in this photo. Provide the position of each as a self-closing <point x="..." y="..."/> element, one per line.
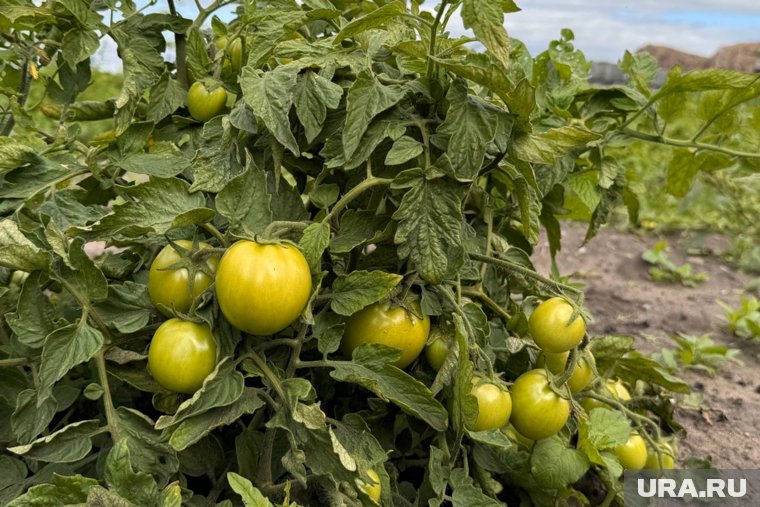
<point x="603" y="29"/>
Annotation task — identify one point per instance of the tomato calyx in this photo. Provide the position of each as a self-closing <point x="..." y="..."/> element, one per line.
<point x="193" y="260"/>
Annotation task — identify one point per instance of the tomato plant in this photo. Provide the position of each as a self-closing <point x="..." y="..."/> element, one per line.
<point x="262" y="288"/>
<point x="537" y="411"/>
<point x="181" y="355"/>
<point x="204" y="103"/>
<point x="363" y="177"/>
<point x="170" y="286"/>
<point x="383" y="324"/>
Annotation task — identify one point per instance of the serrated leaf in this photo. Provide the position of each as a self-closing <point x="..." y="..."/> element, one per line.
<point x="555" y="466"/>
<point x="245" y="202"/>
<point x="148" y="447"/>
<point x="84" y="278"/>
<point x="67" y="445"/>
<point x="251" y="496"/>
<point x="374" y="19"/>
<point x="270" y="95"/>
<point x="63" y="349"/>
<point x="486" y="18"/>
<point x="352" y="292"/>
<point x="313" y="96"/>
<point x="313" y="243"/>
<point x="216" y="160"/>
<point x="403" y="150"/>
<point x="367" y="98"/>
<point x="357" y="228"/>
<point x="17" y="252"/>
<point x="430" y="226"/>
<point x="30" y="418"/>
<point x="128" y="307"/>
<point x="391" y="384"/>
<point x="137" y="487"/>
<point x="79" y="44"/>
<point x="34" y="317"/>
<point x="71" y="490"/>
<point x="166" y="96"/>
<point x="546" y="147"/>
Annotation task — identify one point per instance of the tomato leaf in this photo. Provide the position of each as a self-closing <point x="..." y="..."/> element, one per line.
<point x="138" y="487"/>
<point x="556" y="466"/>
<point x="245" y="202"/>
<point x="61" y="490"/>
<point x="313" y="96"/>
<point x="359" y="289"/>
<point x="67" y="445"/>
<point x="251" y="496"/>
<point x="270" y="96"/>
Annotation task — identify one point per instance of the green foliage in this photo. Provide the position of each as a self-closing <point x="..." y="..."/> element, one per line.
<point x="665" y="270"/>
<point x="743" y="321"/>
<point x="402" y="164"/>
<point x="699" y="353"/>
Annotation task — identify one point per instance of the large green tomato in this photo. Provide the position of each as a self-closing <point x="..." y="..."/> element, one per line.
<point x="632" y="454"/>
<point x="668" y="457"/>
<point x="582" y="374"/>
<point x="438" y="348"/>
<point x="204" y="104"/>
<point x="171" y="288"/>
<point x="373" y="490"/>
<point x="616" y="388"/>
<point x="548" y="325"/>
<point x="182" y="354"/>
<point x="262" y="288"/>
<point x="537" y="411"/>
<point x="234" y="53"/>
<point x="494" y="405"/>
<point x="386" y="325"/>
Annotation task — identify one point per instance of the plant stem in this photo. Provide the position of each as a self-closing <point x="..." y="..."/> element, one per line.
<point x="354" y="193"/>
<point x="651" y="138"/>
<point x="23" y="92"/>
<point x="215" y="232"/>
<point x="490" y="303"/>
<point x="111" y="418"/>
<point x="313" y="364"/>
<point x="278" y="227"/>
<point x="511" y="266"/>
<point x="296" y="352"/>
<point x="181" y="52"/>
<point x="269" y="374"/>
<point x="433" y="36"/>
<point x="270" y="344"/>
<point x="14" y="361"/>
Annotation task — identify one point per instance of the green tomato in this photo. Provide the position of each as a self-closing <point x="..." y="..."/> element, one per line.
<point x="668" y="457"/>
<point x="373" y="490"/>
<point x="515" y="436"/>
<point x="383" y="324"/>
<point x="632" y="454"/>
<point x="182" y="354"/>
<point x="582" y="374"/>
<point x="537" y="411"/>
<point x="171" y="288"/>
<point x="550" y="327"/>
<point x="437" y="348"/>
<point x="204" y="104"/>
<point x="614" y="387"/>
<point x="234" y="54"/>
<point x="262" y="288"/>
<point x="494" y="405"/>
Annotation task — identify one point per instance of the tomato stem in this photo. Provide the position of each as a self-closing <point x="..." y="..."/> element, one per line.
<point x="215" y="232"/>
<point x="658" y="139"/>
<point x="354" y="193"/>
<point x="522" y="270"/>
<point x="433" y="36"/>
<point x="279" y="227"/>
<point x="14" y="361"/>
<point x="490" y="303"/>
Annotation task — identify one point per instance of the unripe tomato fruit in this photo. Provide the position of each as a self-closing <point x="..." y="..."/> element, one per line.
<point x="395" y="327"/>
<point x="204" y="104"/>
<point x="513" y="435"/>
<point x="182" y="354"/>
<point x="537" y="411"/>
<point x="262" y="288"/>
<point x="373" y="490"/>
<point x="582" y="373"/>
<point x="172" y="288"/>
<point x="668" y="457"/>
<point x="438" y="348"/>
<point x="632" y="454"/>
<point x="494" y="405"/>
<point x="548" y="325"/>
<point x="234" y="53"/>
<point x="616" y="388"/>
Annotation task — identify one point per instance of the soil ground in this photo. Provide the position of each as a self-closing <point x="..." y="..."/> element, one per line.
<point x="624" y="301"/>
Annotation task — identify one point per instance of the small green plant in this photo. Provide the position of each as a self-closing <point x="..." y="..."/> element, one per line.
<point x="699" y="353"/>
<point x="745" y="320"/>
<point x="665" y="270"/>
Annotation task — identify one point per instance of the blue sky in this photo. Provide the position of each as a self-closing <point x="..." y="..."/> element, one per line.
<point x="604" y="29"/>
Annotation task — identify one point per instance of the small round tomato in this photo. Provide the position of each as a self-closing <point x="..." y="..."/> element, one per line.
<point x="668" y="457"/>
<point x="494" y="405"/>
<point x="537" y="411"/>
<point x="234" y="54"/>
<point x="582" y="374"/>
<point x="384" y="324"/>
<point x="204" y="104"/>
<point x="515" y="436"/>
<point x="171" y="288"/>
<point x="438" y="347"/>
<point x="182" y="354"/>
<point x="551" y="329"/>
<point x="615" y="387"/>
<point x="373" y="490"/>
<point x="262" y="288"/>
<point x="632" y="454"/>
